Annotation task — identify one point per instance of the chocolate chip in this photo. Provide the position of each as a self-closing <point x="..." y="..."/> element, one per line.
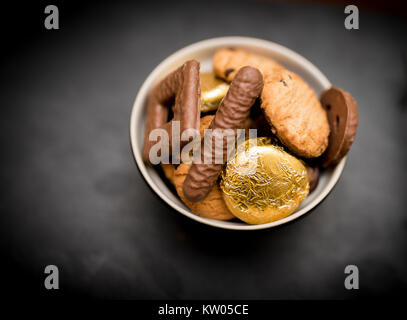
<point x="336" y="122"/>
<point x="228" y="71"/>
<point x="232" y="49"/>
<point x="283" y="82"/>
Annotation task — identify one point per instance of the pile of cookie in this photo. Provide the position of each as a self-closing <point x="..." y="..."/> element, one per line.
<point x="266" y="178"/>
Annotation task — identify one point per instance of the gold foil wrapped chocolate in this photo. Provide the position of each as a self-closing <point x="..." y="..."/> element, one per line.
<point x="212" y="91"/>
<point x="263" y="183"/>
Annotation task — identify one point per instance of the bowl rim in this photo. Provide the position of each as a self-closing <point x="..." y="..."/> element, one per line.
<point x="138" y="107"/>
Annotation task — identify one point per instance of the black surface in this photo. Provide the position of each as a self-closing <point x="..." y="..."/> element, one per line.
<point x="72" y="196"/>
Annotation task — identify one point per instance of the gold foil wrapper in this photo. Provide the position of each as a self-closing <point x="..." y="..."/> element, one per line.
<point x="212" y="91"/>
<point x="263" y="183"/>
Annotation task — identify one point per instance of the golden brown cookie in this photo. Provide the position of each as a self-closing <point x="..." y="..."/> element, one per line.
<point x="289" y="104"/>
<point x="205" y="123"/>
<point x="212" y="207"/>
<point x="296" y="114"/>
<point x="168" y="170"/>
<point x="227" y="61"/>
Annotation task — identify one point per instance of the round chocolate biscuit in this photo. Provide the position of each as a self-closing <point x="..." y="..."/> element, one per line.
<point x="343" y="120"/>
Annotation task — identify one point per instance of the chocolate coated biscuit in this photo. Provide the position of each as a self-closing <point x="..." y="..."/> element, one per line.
<point x="343" y="119"/>
<point x="183" y="86"/>
<point x="231" y="114"/>
<point x="313" y="177"/>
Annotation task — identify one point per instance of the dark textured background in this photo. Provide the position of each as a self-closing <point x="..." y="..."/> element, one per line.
<point x="71" y="194"/>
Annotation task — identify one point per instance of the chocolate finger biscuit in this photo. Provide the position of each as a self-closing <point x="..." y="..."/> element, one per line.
<point x="343" y="118"/>
<point x="183" y="87"/>
<point x="213" y="206"/>
<point x="232" y="114"/>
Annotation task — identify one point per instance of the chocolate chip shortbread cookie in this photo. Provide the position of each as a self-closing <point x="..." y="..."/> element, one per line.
<point x="289" y="104"/>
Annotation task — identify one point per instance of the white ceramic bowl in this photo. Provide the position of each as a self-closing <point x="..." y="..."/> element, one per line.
<point x="203" y="52"/>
